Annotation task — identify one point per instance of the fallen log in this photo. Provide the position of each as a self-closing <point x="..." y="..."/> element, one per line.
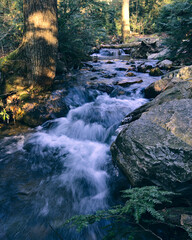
<point x="124" y="45"/>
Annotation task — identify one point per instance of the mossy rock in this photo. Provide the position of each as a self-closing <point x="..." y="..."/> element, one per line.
<point x="155" y="72"/>
<point x="13" y="69"/>
<point x="25" y="97"/>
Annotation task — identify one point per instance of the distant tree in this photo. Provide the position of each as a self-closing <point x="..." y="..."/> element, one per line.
<point x="125" y="20"/>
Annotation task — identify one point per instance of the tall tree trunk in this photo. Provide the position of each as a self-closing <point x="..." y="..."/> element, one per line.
<point x="40" y="40"/>
<point x="125" y="20"/>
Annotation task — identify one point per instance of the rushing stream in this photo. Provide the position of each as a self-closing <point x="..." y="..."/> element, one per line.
<point x="64" y="167"/>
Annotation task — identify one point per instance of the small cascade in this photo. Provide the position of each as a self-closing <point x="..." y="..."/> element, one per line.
<point x="64" y="167"/>
<point x="110" y="53"/>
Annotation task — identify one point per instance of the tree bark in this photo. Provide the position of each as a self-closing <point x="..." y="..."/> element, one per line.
<point x="40" y="40"/>
<point x="125" y="20"/>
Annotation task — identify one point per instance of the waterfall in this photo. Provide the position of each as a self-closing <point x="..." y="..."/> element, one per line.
<point x="63" y="168"/>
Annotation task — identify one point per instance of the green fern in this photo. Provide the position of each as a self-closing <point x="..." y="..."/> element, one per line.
<point x="139" y="202"/>
<point x="143" y="200"/>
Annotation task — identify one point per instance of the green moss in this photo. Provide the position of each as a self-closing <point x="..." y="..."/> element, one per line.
<point x="13" y="69"/>
<point x="7" y="60"/>
<point x="155" y="72"/>
<point x="25" y="97"/>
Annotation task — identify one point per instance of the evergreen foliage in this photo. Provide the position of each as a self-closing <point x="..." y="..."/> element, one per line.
<point x="176" y="20"/>
<point x="143" y="14"/>
<point x="80" y="28"/>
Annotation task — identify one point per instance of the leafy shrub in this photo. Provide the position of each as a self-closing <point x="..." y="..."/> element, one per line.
<point x="80" y="28"/>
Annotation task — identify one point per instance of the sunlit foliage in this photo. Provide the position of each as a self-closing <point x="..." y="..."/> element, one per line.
<point x="81" y="25"/>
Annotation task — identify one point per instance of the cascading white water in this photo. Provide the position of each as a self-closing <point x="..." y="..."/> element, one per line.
<point x="81" y="142"/>
<point x="62" y="169"/>
<point x="107" y="53"/>
<point x="71" y="157"/>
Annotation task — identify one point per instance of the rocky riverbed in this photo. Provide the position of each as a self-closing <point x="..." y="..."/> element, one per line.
<point x="153" y="145"/>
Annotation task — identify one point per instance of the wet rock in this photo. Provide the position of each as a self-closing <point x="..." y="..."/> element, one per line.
<point x="142" y="68"/>
<point x="126" y="83"/>
<point x="147" y="46"/>
<point x="179" y="216"/>
<point x="109" y="62"/>
<point x="155" y="88"/>
<point x="168" y="81"/>
<point x="130" y="74"/>
<point x="87" y="65"/>
<point x="121" y="69"/>
<point x="159" y="55"/>
<point x="107" y="76"/>
<point x="95" y="59"/>
<point x="132" y="61"/>
<point x="48" y="107"/>
<point x="103" y="87"/>
<point x="93" y="78"/>
<point x="150" y="65"/>
<point x="165" y="64"/>
<point x="155" y="72"/>
<point x="95" y="70"/>
<point x="127" y="50"/>
<point x="105" y="52"/>
<point x="117" y="92"/>
<point x="132" y="68"/>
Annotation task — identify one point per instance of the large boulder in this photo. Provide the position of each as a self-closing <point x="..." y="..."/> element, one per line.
<point x="155" y="72"/>
<point x="165" y="64"/>
<point x="182" y="90"/>
<point x="44" y="108"/>
<point x="168" y="81"/>
<point x="147" y="46"/>
<point x="158" y="55"/>
<point x="157" y="148"/>
<point x="154" y="145"/>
